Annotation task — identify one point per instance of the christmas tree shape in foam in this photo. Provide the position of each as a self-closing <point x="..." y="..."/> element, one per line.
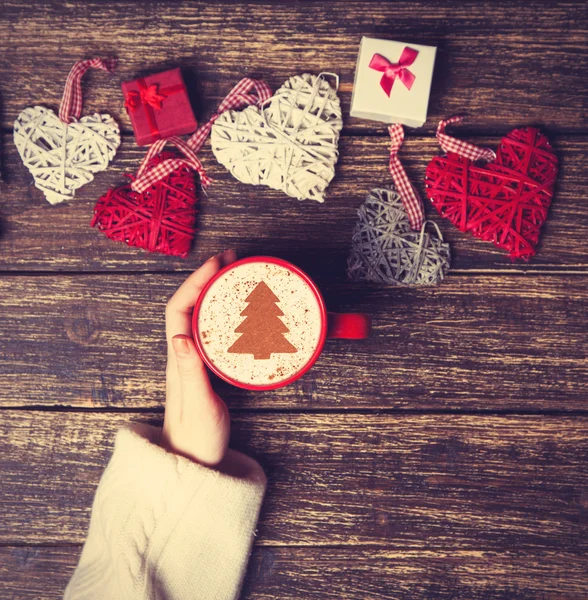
<point x="263" y="330"/>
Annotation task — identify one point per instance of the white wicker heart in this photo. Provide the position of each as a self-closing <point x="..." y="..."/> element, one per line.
<point x="62" y="157"/>
<point x="290" y="144"/>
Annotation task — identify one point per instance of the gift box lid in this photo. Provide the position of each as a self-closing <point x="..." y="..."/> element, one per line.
<point x="405" y="70"/>
<point x="158" y="106"/>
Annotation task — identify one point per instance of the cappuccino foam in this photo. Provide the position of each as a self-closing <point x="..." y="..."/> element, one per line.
<point x="278" y="332"/>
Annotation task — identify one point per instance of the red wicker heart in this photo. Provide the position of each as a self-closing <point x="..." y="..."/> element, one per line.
<point x="162" y="219"/>
<point x="504" y="201"/>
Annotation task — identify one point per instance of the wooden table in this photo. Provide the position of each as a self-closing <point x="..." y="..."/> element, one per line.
<point x="443" y="458"/>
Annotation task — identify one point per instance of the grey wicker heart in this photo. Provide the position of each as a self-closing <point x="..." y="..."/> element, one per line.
<point x="62" y="157"/>
<point x="290" y="144"/>
<point x="386" y="250"/>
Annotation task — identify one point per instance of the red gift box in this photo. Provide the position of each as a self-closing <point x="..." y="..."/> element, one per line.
<point x="158" y="106"/>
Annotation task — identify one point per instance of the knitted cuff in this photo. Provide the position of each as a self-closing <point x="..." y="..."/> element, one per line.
<point x="164" y="526"/>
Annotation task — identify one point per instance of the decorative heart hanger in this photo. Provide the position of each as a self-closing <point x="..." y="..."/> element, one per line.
<point x="157" y="211"/>
<point x="386" y="250"/>
<point x="290" y="144"/>
<point x="390" y="244"/>
<point x="64" y="153"/>
<point x="504" y="201"/>
<point x="162" y="219"/>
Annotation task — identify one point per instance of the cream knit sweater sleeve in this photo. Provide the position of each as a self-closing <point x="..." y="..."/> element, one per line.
<point x="166" y="528"/>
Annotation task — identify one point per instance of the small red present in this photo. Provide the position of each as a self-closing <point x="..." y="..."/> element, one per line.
<point x="159" y="107"/>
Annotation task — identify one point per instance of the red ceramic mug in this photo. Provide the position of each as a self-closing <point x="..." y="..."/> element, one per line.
<point x="261" y="323"/>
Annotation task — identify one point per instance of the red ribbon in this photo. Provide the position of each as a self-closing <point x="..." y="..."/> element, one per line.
<point x="393" y="71"/>
<point x="150" y="97"/>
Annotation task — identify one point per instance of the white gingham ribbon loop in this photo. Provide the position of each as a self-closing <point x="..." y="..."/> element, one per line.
<point x="238" y="97"/>
<point x="410" y="198"/>
<point x="465" y="149"/>
<point x="71" y="103"/>
<point x="145" y="179"/>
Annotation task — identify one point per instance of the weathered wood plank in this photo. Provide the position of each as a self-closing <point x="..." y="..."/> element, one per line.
<point x="357" y="573"/>
<point x="27" y="573"/>
<point x="256" y="220"/>
<point x="407" y="482"/>
<point x="503" y="62"/>
<point x="484" y="343"/>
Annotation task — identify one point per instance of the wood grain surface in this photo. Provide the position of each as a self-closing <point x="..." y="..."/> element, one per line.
<point x="445" y="457"/>
<point x="406" y="482"/>
<point x="98" y="341"/>
<point x="291" y="573"/>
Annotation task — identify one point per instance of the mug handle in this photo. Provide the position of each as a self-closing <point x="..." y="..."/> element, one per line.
<point x="348" y="326"/>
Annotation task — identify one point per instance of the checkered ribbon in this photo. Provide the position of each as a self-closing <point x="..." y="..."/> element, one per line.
<point x="410" y="197"/>
<point x="190" y="159"/>
<point x="465" y="149"/>
<point x="71" y="103"/>
<point x="239" y="97"/>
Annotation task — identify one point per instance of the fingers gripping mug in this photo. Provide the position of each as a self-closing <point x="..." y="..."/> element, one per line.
<point x="261" y="323"/>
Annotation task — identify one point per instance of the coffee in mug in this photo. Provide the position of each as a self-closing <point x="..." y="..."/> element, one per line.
<point x="261" y="323"/>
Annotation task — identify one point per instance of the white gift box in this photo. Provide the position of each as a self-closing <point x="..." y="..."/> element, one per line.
<point x="396" y="67"/>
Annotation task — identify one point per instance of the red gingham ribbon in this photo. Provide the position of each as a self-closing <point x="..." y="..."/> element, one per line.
<point x="410" y="197"/>
<point x="465" y="149"/>
<point x="239" y="97"/>
<point x="71" y="103"/>
<point x="190" y="159"/>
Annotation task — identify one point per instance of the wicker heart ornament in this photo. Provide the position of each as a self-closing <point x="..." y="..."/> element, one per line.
<point x="157" y="211"/>
<point x="64" y="152"/>
<point x="290" y="144"/>
<point x="504" y="201"/>
<point x="161" y="219"/>
<point x="63" y="157"/>
<point x="386" y="250"/>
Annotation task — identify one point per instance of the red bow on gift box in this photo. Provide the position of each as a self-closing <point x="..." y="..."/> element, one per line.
<point x="150" y="97"/>
<point x="393" y="71"/>
<point x="146" y="95"/>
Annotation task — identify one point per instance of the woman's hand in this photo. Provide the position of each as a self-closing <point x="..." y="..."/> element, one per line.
<point x="197" y="423"/>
